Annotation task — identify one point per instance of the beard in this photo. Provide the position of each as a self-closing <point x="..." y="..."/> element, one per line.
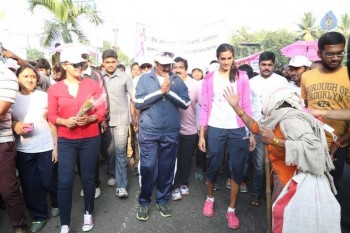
<point x="327" y="66"/>
<point x="330" y="68"/>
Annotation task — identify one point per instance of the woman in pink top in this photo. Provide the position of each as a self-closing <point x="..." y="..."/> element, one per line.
<point x="77" y="136"/>
<point x="225" y="130"/>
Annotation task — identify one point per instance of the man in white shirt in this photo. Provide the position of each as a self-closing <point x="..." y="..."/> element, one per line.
<point x="260" y="85"/>
<point x="297" y="66"/>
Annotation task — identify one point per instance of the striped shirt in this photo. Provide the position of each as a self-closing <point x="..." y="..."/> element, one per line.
<point x="8" y="91"/>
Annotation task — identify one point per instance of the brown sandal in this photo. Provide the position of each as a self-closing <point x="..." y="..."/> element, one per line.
<point x="254" y="201"/>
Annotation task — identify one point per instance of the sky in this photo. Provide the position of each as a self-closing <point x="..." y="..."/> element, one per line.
<point x="19" y="28"/>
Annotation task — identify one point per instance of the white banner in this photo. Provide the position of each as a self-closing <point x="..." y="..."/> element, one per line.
<point x="196" y="45"/>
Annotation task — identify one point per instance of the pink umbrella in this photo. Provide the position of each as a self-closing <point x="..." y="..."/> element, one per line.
<point x="87" y="49"/>
<point x="305" y="48"/>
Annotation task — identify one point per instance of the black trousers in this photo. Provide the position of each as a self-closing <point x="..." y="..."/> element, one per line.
<point x="187" y="144"/>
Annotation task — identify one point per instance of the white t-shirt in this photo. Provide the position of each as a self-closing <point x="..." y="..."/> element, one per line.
<point x="222" y="114"/>
<point x="295" y="87"/>
<point x="260" y="86"/>
<point x="160" y="79"/>
<point x="32" y="109"/>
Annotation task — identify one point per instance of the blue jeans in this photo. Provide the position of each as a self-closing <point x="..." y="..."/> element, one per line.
<point x="36" y="167"/>
<point x="120" y="139"/>
<point x="108" y="151"/>
<point x="337" y="173"/>
<point x="259" y="168"/>
<point x="87" y="149"/>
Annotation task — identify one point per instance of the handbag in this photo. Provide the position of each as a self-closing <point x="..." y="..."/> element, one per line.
<point x="306" y="204"/>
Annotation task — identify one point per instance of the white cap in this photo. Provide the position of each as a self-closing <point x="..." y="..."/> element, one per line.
<point x="12" y="64"/>
<point x="213" y="66"/>
<point x="299" y="61"/>
<point x="145" y="61"/>
<point x="164" y="58"/>
<point x="72" y="55"/>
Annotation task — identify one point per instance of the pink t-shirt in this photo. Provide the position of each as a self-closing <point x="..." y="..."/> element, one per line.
<point x="188" y="116"/>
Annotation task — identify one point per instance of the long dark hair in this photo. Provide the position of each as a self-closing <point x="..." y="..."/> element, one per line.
<point x="63" y="72"/>
<point x="58" y="68"/>
<point x="234" y="71"/>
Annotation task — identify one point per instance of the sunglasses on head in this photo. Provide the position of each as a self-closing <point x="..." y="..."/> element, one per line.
<point x="166" y="54"/>
<point x="77" y="65"/>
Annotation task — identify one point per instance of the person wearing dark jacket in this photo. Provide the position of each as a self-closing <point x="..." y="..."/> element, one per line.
<point x="159" y="94"/>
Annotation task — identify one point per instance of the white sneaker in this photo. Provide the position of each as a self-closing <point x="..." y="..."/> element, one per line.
<point x="88" y="222"/>
<point x="65" y="229"/>
<point x="55" y="212"/>
<point x="176" y="195"/>
<point x="111" y="182"/>
<point x="97" y="192"/>
<point x="243" y="188"/>
<point x="121" y="192"/>
<point x="184" y="190"/>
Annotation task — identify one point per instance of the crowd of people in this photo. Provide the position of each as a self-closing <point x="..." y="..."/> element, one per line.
<point x="63" y="116"/>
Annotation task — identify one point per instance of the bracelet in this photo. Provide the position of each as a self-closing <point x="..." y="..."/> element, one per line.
<point x="336" y="143"/>
<point x="241" y="113"/>
<point x="276" y="140"/>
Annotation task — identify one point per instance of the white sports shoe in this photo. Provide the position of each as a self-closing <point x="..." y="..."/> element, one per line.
<point x="111" y="182"/>
<point x="97" y="192"/>
<point x="176" y="195"/>
<point x="121" y="192"/>
<point x="88" y="222"/>
<point x="65" y="229"/>
<point x="184" y="190"/>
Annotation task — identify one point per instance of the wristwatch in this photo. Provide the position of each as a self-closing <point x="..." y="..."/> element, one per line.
<point x="93" y="117"/>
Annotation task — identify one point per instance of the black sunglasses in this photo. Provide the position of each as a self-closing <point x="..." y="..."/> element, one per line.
<point x="148" y="66"/>
<point x="77" y="65"/>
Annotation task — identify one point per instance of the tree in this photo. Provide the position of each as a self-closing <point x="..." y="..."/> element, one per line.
<point x="274" y="41"/>
<point x="245" y="43"/>
<point x="267" y="41"/>
<point x="34" y="54"/>
<point x="64" y="24"/>
<point x="122" y="57"/>
<point x="307" y="28"/>
<point x="344" y="26"/>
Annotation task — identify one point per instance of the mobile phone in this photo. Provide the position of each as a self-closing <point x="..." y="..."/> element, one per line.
<point x="29" y="128"/>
